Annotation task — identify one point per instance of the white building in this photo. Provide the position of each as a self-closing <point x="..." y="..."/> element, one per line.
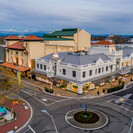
<point x="122" y="57"/>
<point x="78" y="69"/>
<point x="81" y="68"/>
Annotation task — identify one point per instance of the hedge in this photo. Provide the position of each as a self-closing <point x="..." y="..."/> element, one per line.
<point x="115" y="88"/>
<point x="49" y="90"/>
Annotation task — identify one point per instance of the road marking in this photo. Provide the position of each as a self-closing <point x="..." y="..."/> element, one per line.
<point x="110" y="101"/>
<point x="44" y="100"/>
<point x="31" y="129"/>
<point x="26" y="130"/>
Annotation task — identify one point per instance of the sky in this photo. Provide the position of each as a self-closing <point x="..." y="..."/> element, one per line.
<point x="94" y="16"/>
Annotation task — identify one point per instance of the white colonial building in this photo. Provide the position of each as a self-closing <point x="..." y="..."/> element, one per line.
<point x="122" y="57"/>
<point x="78" y="69"/>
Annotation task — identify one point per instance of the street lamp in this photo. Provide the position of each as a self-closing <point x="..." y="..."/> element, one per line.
<point x="45" y="111"/>
<point x="50" y="74"/>
<point x="131" y="126"/>
<point x="111" y="66"/>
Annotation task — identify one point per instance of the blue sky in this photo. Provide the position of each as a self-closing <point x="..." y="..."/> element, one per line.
<point x="95" y="16"/>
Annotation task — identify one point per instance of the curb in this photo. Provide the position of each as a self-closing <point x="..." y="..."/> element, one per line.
<point x="31" y="114"/>
<point x="87" y="128"/>
<point x="44" y="91"/>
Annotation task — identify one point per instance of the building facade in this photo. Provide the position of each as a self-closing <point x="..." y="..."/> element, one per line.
<point x="76" y="69"/>
<point x="66" y="40"/>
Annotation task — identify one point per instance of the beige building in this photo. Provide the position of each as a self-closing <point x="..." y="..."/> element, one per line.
<point x="66" y="40"/>
<point x="22" y="51"/>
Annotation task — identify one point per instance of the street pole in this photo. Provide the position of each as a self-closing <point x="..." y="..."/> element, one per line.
<point x="131" y="126"/>
<point x="19" y="80"/>
<point x="111" y="74"/>
<point x="45" y="111"/>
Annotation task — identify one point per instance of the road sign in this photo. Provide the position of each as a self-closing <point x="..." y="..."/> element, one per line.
<point x="84" y="106"/>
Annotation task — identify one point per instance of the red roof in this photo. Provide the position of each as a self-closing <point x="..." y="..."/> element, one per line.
<point x="17" y="45"/>
<point x="12" y="66"/>
<point x="32" y="37"/>
<point x="104" y="43"/>
<point x="12" y="37"/>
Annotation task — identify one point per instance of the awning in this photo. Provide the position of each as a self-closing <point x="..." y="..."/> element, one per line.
<point x="12" y="66"/>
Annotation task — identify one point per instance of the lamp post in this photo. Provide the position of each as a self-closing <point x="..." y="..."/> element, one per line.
<point x="50" y="74"/>
<point x="18" y="79"/>
<point x="111" y="74"/>
<point x="131" y="126"/>
<point x="45" y="111"/>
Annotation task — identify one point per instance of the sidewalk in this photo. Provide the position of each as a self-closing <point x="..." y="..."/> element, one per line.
<point x="38" y="85"/>
<point x="22" y="117"/>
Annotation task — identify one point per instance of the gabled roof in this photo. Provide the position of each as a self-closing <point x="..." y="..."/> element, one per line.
<point x="64" y="32"/>
<point x="78" y="59"/>
<point x="104" y="43"/>
<point x="17" y="45"/>
<point x="32" y="38"/>
<point x="12" y="37"/>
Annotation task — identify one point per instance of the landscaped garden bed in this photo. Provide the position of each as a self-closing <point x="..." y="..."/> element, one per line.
<point x="86" y="117"/>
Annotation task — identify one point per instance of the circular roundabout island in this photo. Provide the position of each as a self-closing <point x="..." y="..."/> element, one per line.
<point x="86" y="120"/>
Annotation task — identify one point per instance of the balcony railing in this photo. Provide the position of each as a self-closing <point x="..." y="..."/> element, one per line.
<point x="125" y="70"/>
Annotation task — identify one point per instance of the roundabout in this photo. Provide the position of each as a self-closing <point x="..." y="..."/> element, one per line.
<point x="91" y="119"/>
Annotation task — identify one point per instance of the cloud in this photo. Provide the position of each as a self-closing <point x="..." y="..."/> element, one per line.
<point x="100" y="16"/>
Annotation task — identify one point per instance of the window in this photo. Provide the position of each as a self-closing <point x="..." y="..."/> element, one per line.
<point x="107" y="68"/>
<point x="74" y="73"/>
<point x="37" y="65"/>
<point x="99" y="70"/>
<point x="44" y="67"/>
<point x="95" y="71"/>
<point x="111" y="67"/>
<point x="84" y="74"/>
<point x="102" y="69"/>
<point x="16" y="52"/>
<point x="64" y="71"/>
<point x="40" y="66"/>
<point x="90" y="72"/>
<point x="105" y="46"/>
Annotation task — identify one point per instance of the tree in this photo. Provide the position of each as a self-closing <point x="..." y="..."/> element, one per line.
<point x="9" y="86"/>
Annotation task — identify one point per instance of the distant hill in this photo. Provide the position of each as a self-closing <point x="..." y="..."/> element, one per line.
<point x="39" y="34"/>
<point x="105" y="35"/>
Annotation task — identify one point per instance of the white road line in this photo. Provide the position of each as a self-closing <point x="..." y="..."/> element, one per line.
<point x="26" y="130"/>
<point x="109" y="101"/>
<point x="31" y="129"/>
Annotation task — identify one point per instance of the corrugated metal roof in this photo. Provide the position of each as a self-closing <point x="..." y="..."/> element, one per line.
<point x="127" y="51"/>
<point x="56" y="39"/>
<point x="76" y="59"/>
<point x="64" y="32"/>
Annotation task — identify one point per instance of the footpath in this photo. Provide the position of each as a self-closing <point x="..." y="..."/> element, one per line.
<point x="22" y="117"/>
<point x="38" y="85"/>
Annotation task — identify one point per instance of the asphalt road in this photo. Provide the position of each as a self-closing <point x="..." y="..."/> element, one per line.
<point x="117" y="111"/>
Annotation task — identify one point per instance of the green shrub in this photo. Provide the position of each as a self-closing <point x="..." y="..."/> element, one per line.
<point x="49" y="90"/>
<point x="115" y="88"/>
<point x="46" y="89"/>
<point x="75" y="86"/>
<point x="62" y="86"/>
